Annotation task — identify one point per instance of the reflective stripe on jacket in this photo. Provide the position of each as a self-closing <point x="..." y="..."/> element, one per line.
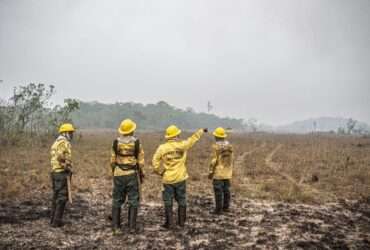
<point x="126" y="156"/>
<point x="222" y="160"/>
<point x="61" y="154"/>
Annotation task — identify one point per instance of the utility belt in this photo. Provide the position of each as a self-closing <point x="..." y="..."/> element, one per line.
<point x="59" y="170"/>
<point x="60" y="173"/>
<point x="126" y="167"/>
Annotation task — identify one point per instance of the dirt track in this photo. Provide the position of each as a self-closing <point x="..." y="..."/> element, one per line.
<point x="251" y="225"/>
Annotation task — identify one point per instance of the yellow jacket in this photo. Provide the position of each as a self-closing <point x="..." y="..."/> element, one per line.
<point x="221" y="166"/>
<point x="126" y="155"/>
<point x="61" y="154"/>
<point x="173" y="154"/>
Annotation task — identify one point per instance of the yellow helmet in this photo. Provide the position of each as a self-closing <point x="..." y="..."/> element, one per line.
<point x="66" y="127"/>
<point x="220" y="132"/>
<point x="172" y="131"/>
<point x="127" y="126"/>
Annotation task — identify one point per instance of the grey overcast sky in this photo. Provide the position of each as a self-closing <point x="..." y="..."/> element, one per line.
<point x="277" y="61"/>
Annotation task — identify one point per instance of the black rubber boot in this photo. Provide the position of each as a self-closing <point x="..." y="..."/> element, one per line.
<point x="132" y="216"/>
<point x="226" y="205"/>
<point x="52" y="212"/>
<point x="218" y="208"/>
<point x="128" y="217"/>
<point x="168" y="217"/>
<point x="181" y="216"/>
<point x="58" y="215"/>
<point x="116" y="220"/>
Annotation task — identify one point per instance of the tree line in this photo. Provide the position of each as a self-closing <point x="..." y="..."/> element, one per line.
<point x="150" y="117"/>
<point x="29" y="113"/>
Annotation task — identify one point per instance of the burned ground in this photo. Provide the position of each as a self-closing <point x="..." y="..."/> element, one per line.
<point x="250" y="225"/>
<point x="276" y="204"/>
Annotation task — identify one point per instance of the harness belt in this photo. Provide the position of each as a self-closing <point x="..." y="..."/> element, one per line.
<point x="126" y="167"/>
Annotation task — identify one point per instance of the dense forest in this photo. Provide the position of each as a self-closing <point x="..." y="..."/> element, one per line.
<point x="149" y="117"/>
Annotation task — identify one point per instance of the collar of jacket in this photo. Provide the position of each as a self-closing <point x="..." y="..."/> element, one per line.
<point x="173" y="139"/>
<point x="224" y="142"/>
<point x="62" y="137"/>
<point x="126" y="139"/>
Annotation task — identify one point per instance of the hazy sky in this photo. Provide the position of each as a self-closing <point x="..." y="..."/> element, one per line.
<point x="277" y="61"/>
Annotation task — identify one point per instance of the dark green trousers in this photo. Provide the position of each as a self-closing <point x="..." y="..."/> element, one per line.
<point x="177" y="191"/>
<point x="60" y="189"/>
<point x="125" y="186"/>
<point x="222" y="191"/>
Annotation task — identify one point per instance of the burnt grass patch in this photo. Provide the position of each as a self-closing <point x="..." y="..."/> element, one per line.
<point x="251" y="224"/>
<point x="276" y="202"/>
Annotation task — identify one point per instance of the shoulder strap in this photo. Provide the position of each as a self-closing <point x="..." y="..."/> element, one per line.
<point x="59" y="142"/>
<point x="137" y="149"/>
<point x="115" y="146"/>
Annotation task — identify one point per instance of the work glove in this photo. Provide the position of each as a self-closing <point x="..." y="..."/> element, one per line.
<point x="67" y="173"/>
<point x="205" y="130"/>
<point x="113" y="166"/>
<point x="68" y="169"/>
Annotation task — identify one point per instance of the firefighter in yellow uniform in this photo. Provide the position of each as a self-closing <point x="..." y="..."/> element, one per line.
<point x="172" y="155"/>
<point x="61" y="164"/>
<point x="221" y="169"/>
<point x="127" y="162"/>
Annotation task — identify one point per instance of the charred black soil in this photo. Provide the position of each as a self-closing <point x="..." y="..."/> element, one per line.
<point x="251" y="224"/>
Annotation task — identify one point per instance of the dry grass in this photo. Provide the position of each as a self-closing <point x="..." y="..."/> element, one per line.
<point x="309" y="168"/>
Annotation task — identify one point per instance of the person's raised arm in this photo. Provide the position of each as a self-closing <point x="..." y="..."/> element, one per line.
<point x="188" y="143"/>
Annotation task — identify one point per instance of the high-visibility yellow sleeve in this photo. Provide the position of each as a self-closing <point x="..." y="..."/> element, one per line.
<point x="113" y="157"/>
<point x="64" y="152"/>
<point x="188" y="143"/>
<point x="156" y="162"/>
<point x="141" y="159"/>
<point x="213" y="162"/>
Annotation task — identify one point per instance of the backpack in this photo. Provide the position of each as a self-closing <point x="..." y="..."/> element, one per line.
<point x="136" y="151"/>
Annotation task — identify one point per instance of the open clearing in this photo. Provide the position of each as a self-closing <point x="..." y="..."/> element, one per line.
<point x="289" y="192"/>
